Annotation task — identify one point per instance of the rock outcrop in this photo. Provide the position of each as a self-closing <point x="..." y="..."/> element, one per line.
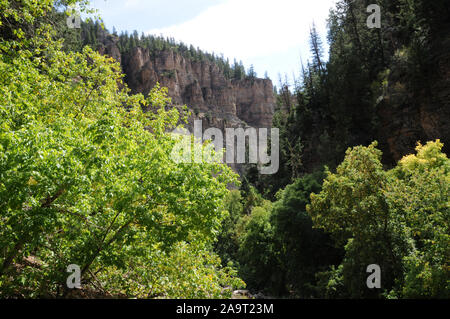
<point x="202" y="87"/>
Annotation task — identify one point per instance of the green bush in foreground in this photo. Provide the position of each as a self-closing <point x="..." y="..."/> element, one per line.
<point x="86" y="177"/>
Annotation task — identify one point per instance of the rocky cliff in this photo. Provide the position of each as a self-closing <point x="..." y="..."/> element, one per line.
<point x="201" y="85"/>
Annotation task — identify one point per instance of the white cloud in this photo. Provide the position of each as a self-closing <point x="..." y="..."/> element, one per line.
<point x="248" y="29"/>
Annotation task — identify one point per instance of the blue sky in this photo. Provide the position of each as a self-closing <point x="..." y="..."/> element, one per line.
<point x="270" y="34"/>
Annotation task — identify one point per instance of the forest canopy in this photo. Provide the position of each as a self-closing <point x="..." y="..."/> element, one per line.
<point x="87" y="178"/>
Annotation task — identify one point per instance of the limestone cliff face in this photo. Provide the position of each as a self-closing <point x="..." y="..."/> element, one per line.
<point x="201" y="86"/>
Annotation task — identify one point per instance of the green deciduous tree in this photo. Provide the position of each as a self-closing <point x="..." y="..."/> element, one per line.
<point x="419" y="195"/>
<point x="257" y="255"/>
<point x="86" y="177"/>
<point x="397" y="219"/>
<point x="304" y="251"/>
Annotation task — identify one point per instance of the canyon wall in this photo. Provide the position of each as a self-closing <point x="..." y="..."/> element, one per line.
<point x="200" y="85"/>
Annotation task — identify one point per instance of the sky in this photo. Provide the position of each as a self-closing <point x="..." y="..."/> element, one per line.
<point x="271" y="35"/>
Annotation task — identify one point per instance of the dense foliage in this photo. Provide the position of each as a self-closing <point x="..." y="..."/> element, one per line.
<point x="369" y="208"/>
<point x="86" y="176"/>
<point x="398" y="219"/>
<point x="321" y="233"/>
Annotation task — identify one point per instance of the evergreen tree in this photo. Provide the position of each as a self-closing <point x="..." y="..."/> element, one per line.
<point x="316" y="48"/>
<point x="251" y="73"/>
